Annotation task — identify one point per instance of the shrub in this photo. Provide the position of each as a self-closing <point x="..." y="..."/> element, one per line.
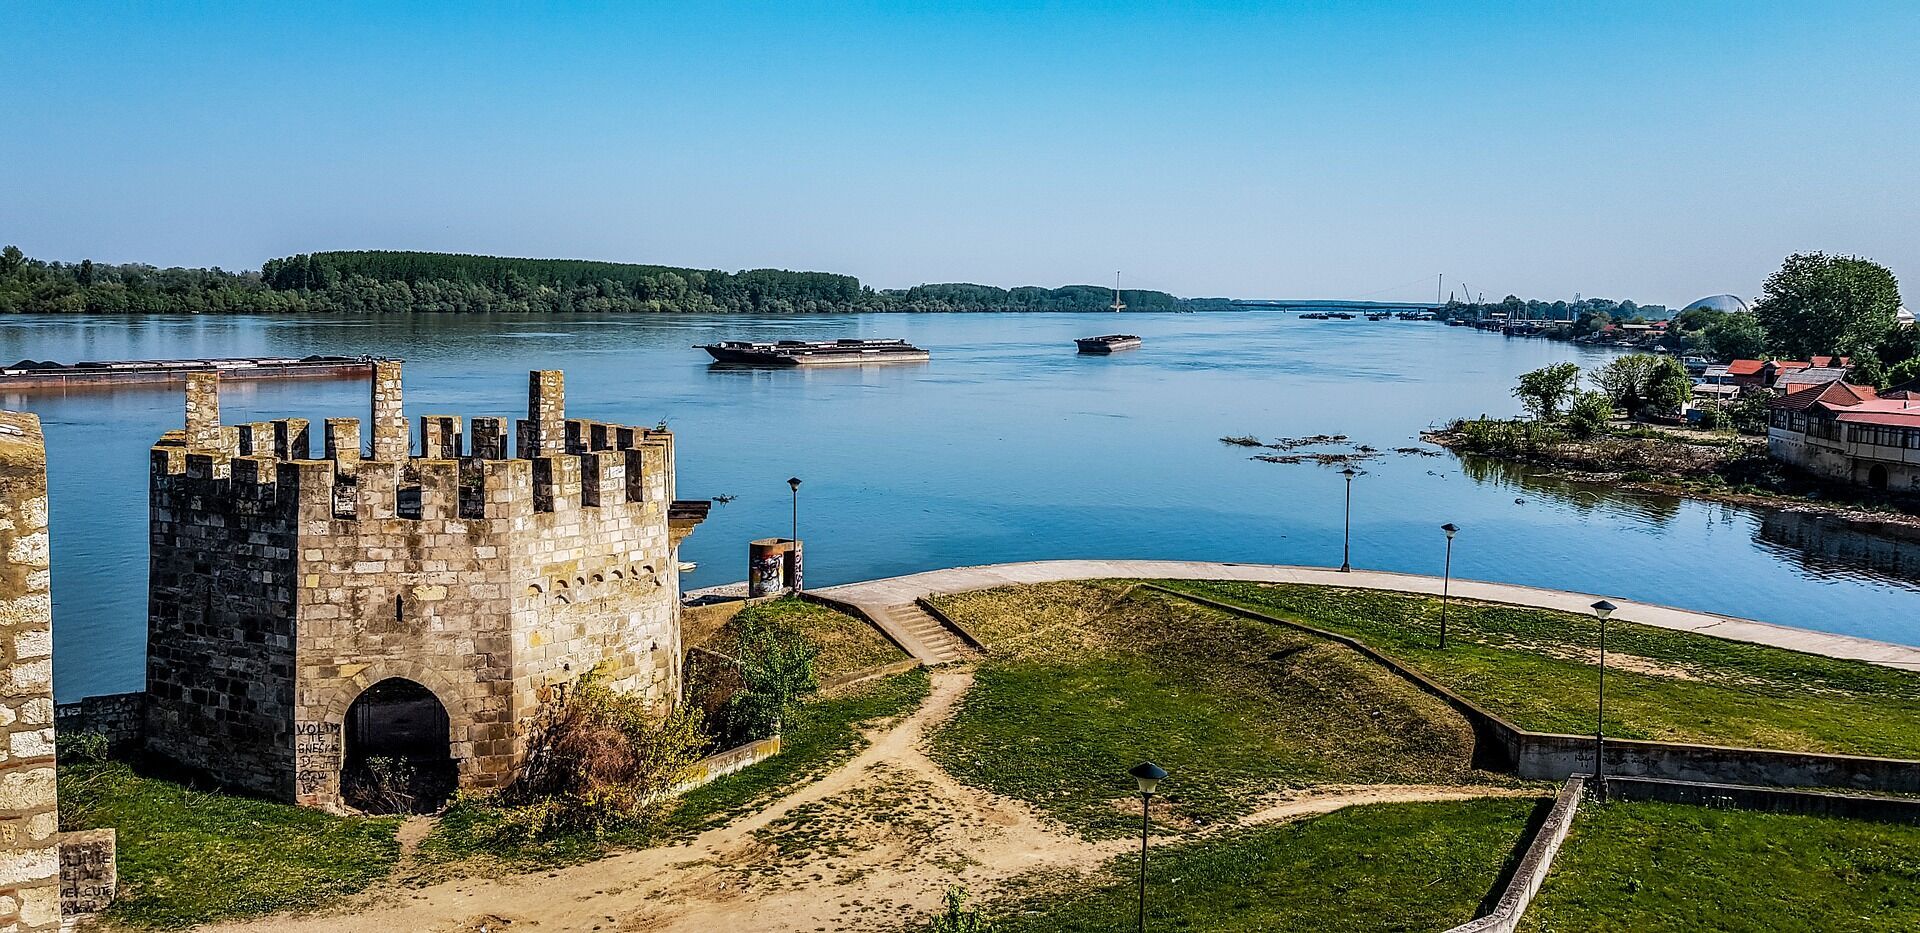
<point x="956" y="917"/>
<point x="80" y="748"/>
<point x="1589" y="415"/>
<point x="599" y="759"/>
<point x="776" y="673"/>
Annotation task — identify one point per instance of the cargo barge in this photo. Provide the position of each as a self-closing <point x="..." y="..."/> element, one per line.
<point x="815" y="352"/>
<point x="1108" y="344"/>
<point x="31" y="374"/>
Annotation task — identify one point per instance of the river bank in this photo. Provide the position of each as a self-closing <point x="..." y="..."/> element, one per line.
<point x="1712" y="466"/>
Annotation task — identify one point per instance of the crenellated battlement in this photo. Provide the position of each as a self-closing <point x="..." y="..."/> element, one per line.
<point x="556" y="464"/>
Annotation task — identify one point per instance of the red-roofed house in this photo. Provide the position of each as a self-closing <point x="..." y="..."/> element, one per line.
<point x="1769" y="373"/>
<point x="1848" y="433"/>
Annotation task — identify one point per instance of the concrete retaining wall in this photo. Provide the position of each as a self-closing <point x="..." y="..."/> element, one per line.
<point x="1502" y="746"/>
<point x="1775" y="800"/>
<point x="720" y="764"/>
<point x="1533" y="867"/>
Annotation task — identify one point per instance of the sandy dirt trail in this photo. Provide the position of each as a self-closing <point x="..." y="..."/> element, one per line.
<point x="874" y="843"/>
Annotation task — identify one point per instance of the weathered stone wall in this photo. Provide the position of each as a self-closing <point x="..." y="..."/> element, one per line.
<point x="120" y="718"/>
<point x="29" y="818"/>
<point x="485" y="580"/>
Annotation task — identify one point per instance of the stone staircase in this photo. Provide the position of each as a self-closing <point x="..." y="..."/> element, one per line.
<point x="925" y="637"/>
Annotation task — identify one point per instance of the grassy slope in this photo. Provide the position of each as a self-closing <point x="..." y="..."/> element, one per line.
<point x="1085" y="680"/>
<point x="1413" y="867"/>
<point x="827" y="731"/>
<point x="847" y="645"/>
<point x="1536" y="668"/>
<point x="1663" y="867"/>
<point x="187" y="857"/>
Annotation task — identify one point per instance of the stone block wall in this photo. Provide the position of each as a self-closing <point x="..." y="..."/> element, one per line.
<point x="29" y="817"/>
<point x="285" y="587"/>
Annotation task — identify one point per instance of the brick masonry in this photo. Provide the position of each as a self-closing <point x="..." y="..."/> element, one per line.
<point x="29" y="813"/>
<point x="282" y="587"/>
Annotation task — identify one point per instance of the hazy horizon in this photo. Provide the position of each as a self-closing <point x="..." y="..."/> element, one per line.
<point x="1331" y="151"/>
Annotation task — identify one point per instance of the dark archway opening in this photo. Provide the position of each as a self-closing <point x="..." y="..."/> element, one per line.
<point x="397" y="756"/>
<point x="1877" y="477"/>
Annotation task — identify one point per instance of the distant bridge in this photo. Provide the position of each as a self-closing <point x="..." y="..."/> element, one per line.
<point x="1333" y="304"/>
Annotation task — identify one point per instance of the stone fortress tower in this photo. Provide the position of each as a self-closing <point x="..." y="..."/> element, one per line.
<point x="308" y="615"/>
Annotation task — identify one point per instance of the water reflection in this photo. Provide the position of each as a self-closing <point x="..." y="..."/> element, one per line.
<point x="1829" y="545"/>
<point x="1583" y="498"/>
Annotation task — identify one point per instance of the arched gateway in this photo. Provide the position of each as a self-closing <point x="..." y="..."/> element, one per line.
<point x="399" y="752"/>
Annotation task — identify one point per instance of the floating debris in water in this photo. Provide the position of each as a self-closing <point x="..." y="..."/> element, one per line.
<point x="723" y="500"/>
<point x="1311" y="440"/>
<point x="1242" y="441"/>
<point x="1416" y="451"/>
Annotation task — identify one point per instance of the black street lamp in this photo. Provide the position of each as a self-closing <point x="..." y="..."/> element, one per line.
<point x="1446" y="580"/>
<point x="1149" y="775"/>
<point x="1603" y="609"/>
<point x="1346" y="536"/>
<point x="793" y="483"/>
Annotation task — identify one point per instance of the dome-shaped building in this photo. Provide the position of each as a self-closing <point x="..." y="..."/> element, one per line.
<point x="1720" y="303"/>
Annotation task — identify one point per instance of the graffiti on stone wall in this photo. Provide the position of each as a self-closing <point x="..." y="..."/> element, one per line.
<point x="316" y="749"/>
<point x="87" y="873"/>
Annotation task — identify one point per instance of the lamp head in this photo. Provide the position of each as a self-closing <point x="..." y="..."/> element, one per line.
<point x="1450" y="528"/>
<point x="794" y="483"/>
<point x="1148" y="775"/>
<point x="1349" y="473"/>
<point x="1603" y="609"/>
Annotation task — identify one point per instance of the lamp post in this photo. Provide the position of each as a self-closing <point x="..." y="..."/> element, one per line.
<point x="1603" y="609"/>
<point x="1149" y="776"/>
<point x="1346" y="535"/>
<point x="793" y="483"/>
<point x="1446" y="580"/>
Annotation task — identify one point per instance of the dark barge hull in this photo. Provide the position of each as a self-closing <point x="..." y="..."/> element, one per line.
<point x="816" y="353"/>
<point x="31" y="375"/>
<point x="1108" y="344"/>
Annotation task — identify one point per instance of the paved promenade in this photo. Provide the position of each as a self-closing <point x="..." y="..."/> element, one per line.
<point x="880" y="597"/>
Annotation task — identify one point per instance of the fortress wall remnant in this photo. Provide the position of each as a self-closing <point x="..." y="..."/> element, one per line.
<point x="29" y="818"/>
<point x="285" y="588"/>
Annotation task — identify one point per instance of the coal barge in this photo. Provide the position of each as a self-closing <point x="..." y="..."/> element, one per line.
<point x="1108" y="344"/>
<point x="31" y="374"/>
<point x="815" y="352"/>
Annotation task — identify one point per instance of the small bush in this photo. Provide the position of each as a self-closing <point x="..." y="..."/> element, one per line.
<point x="776" y="674"/>
<point x="956" y="917"/>
<point x="599" y="759"/>
<point x="1589" y="415"/>
<point x="80" y="748"/>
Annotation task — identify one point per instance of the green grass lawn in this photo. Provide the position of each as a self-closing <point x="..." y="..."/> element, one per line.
<point x="1537" y="669"/>
<point x="187" y="857"/>
<point x="1652" y="867"/>
<point x="828" y="730"/>
<point x="847" y="645"/>
<point x="1086" y="679"/>
<point x="1383" y="867"/>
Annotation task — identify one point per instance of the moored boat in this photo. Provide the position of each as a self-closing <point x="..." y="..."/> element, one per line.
<point x="31" y="374"/>
<point x="1108" y="343"/>
<point x="814" y="352"/>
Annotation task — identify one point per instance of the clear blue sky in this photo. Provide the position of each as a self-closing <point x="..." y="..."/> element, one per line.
<point x="1654" y="151"/>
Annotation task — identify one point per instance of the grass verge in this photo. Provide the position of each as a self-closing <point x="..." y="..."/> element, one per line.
<point x="1538" y="669"/>
<point x="1667" y="867"/>
<point x="188" y="857"/>
<point x="1087" y="679"/>
<point x="847" y="645"/>
<point x="828" y="730"/>
<point x="1421" y="866"/>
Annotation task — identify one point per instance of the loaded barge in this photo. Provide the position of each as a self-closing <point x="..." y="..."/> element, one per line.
<point x="815" y="352"/>
<point x="1108" y="344"/>
<point x="29" y="374"/>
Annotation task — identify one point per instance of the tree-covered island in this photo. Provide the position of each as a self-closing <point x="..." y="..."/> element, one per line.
<point x="381" y="282"/>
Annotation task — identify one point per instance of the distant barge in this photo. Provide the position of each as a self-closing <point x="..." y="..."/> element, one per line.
<point x="29" y="374"/>
<point x="1108" y="344"/>
<point x="815" y="352"/>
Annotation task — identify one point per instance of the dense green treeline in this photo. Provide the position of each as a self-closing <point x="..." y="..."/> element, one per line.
<point x="377" y="282"/>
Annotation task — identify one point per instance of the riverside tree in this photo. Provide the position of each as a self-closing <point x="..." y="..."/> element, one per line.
<point x="1735" y="336"/>
<point x="1544" y="389"/>
<point x="1821" y="304"/>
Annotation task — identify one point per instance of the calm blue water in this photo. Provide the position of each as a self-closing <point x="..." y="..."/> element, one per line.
<point x="1008" y="446"/>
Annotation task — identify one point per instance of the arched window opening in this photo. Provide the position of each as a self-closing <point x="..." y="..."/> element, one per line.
<point x="398" y="757"/>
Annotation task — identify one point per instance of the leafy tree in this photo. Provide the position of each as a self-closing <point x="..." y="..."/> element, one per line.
<point x="1906" y="370"/>
<point x="1543" y="389"/>
<point x="776" y="673"/>
<point x="1821" y="304"/>
<point x="1867" y="370"/>
<point x="1735" y="337"/>
<point x="1668" y="388"/>
<point x="1749" y="412"/>
<point x="1589" y="414"/>
<point x="956" y="917"/>
<point x="1591" y="322"/>
<point x="1624" y="380"/>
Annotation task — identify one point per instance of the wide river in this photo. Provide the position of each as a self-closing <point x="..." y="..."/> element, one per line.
<point x="1007" y="446"/>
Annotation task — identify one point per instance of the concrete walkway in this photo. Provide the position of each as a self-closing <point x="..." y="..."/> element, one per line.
<point x="877" y="596"/>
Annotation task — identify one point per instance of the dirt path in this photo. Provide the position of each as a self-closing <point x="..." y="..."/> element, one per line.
<point x="874" y="842"/>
